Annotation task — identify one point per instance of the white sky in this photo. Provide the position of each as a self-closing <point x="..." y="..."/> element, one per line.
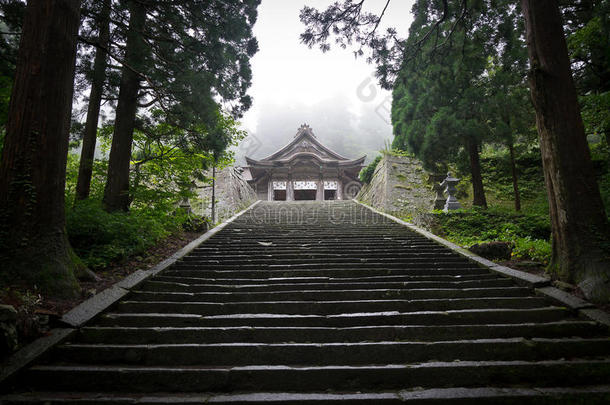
<point x="287" y="73"/>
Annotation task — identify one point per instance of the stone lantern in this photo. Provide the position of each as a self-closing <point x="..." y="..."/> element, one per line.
<point x="439" y="198"/>
<point x="449" y="184"/>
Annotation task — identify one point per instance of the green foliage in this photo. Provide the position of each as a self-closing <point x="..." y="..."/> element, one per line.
<point x="600" y="154"/>
<point x="366" y="174"/>
<point x="11" y="17"/>
<point x="595" y="111"/>
<point x="528" y="232"/>
<point x="167" y="165"/>
<point x="100" y="238"/>
<point x="534" y="249"/>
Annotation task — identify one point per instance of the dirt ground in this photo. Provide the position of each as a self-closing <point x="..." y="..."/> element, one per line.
<point x="36" y="313"/>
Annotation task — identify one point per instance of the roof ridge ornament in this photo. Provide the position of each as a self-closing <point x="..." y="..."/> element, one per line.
<point x="304" y="128"/>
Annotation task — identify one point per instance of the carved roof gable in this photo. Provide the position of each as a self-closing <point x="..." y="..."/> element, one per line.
<point x="304" y="142"/>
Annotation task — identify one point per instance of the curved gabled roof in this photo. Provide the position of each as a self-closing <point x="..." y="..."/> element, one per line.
<point x="306" y="155"/>
<point x="304" y="144"/>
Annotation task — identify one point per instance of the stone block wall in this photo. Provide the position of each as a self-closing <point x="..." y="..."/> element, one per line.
<point x="399" y="186"/>
<point x="233" y="193"/>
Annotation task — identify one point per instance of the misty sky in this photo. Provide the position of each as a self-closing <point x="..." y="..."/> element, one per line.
<point x="336" y="94"/>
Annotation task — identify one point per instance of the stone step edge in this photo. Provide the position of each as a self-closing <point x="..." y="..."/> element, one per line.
<point x="416" y="395"/>
<point x="94" y="306"/>
<point x="540" y="285"/>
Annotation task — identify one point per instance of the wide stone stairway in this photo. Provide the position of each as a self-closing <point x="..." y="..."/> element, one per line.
<point x="319" y="302"/>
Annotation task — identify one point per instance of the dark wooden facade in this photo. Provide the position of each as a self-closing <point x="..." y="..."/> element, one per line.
<point x="304" y="170"/>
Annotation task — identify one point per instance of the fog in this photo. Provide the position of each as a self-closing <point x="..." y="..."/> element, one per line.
<point x="333" y="92"/>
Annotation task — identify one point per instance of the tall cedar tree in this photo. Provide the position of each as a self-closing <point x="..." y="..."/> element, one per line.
<point x="12" y="16"/>
<point x="34" y="245"/>
<point x="98" y="79"/>
<point x="578" y="221"/>
<point x="579" y="224"/>
<point x="186" y="59"/>
<point x="116" y="192"/>
<point x="507" y="109"/>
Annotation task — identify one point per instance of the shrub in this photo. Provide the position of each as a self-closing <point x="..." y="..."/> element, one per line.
<point x="529" y="232"/>
<point x="534" y="249"/>
<point x="100" y="238"/>
<point x="366" y="174"/>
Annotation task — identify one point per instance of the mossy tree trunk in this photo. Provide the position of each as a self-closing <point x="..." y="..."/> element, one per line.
<point x="34" y="244"/>
<point x="513" y="170"/>
<point x="578" y="221"/>
<point x="116" y="192"/>
<point x="478" y="191"/>
<point x="85" y="170"/>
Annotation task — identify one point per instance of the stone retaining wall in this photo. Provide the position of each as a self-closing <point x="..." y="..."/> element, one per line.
<point x="233" y="193"/>
<point x="399" y="186"/>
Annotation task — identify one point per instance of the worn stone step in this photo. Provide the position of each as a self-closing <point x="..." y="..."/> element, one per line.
<point x="193" y="287"/>
<point x="318" y="256"/>
<point x="330" y="281"/>
<point x="329" y="307"/>
<point x="318" y="354"/>
<point x="338" y="232"/>
<point x="342" y="263"/>
<point x="317" y="248"/>
<point x="451" y="317"/>
<point x="319" y="263"/>
<point x="590" y="395"/>
<point x="287" y="272"/>
<point x="283" y="243"/>
<point x="158" y="335"/>
<point x="547" y="373"/>
<point x="329" y="295"/>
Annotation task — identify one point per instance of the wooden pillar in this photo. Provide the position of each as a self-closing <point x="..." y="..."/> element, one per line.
<point x="339" y="185"/>
<point x="339" y="189"/>
<point x="270" y="189"/>
<point x="320" y="190"/>
<point x="289" y="188"/>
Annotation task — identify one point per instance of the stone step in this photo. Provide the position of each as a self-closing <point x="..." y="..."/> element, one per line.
<point x="329" y="295"/>
<point x="262" y="246"/>
<point x="286" y="272"/>
<point x="422" y="333"/>
<point x="339" y="235"/>
<point x="306" y="303"/>
<point x="400" y="280"/>
<point x="317" y="256"/>
<point x="301" y="236"/>
<point x="320" y="354"/>
<point x="195" y="285"/>
<point x="548" y="373"/>
<point x="328" y="307"/>
<point x="591" y="395"/>
<point x="322" y="264"/>
<point x="451" y="317"/>
<point x="267" y="242"/>
<point x="346" y="262"/>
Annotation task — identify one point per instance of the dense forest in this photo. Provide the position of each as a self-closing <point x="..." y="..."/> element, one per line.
<point x="172" y="75"/>
<point x="511" y="96"/>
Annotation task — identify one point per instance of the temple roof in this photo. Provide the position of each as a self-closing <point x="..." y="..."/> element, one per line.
<point x="305" y="146"/>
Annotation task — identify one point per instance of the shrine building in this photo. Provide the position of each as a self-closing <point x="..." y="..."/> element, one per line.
<point x="304" y="170"/>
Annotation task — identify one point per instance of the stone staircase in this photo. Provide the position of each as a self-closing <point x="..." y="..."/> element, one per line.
<point x="309" y="303"/>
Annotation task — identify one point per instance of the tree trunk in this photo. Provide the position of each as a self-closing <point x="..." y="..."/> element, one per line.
<point x="478" y="192"/>
<point x="513" y="169"/>
<point x="87" y="155"/>
<point x="116" y="192"/>
<point x="34" y="246"/>
<point x="578" y="221"/>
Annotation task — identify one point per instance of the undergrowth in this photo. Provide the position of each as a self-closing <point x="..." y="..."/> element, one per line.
<point x="529" y="233"/>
